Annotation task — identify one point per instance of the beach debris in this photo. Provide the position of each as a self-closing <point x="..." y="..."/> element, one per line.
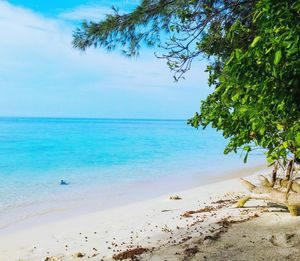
<point x="131" y="253"/>
<point x="186" y="215"/>
<point x="183" y="240"/>
<point x="226" y="202"/>
<point x="79" y="255"/>
<point x="189" y="214"/>
<point x="166" y="229"/>
<point x="52" y="258"/>
<point x="227" y="222"/>
<point x="190" y="252"/>
<point x="175" y="197"/>
<point x="285" y="240"/>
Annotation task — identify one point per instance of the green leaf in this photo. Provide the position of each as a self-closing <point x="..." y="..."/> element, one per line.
<point x="297" y="154"/>
<point x="269" y="50"/>
<point x="298" y="138"/>
<point x="235" y="97"/>
<point x="270" y="159"/>
<point x="231" y="58"/>
<point x="247" y="148"/>
<point x="257" y="15"/>
<point x="281" y="105"/>
<point x="279" y="126"/>
<point x="262" y="130"/>
<point x="255" y="41"/>
<point x="277" y="57"/>
<point x="238" y="53"/>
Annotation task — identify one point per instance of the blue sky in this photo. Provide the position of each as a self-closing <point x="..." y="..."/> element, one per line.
<point x="42" y="75"/>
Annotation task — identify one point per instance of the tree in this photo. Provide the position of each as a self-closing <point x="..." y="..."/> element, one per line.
<point x="176" y="26"/>
<point x="253" y="50"/>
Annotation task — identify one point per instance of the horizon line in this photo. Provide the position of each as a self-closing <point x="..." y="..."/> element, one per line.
<point x="90" y="118"/>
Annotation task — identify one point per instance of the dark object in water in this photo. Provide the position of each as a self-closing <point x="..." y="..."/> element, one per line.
<point x="62" y="182"/>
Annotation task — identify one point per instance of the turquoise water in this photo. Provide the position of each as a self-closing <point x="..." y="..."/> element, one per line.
<point x="36" y="153"/>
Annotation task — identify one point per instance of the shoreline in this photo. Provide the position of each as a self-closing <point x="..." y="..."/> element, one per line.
<point x="94" y="200"/>
<point x="150" y="224"/>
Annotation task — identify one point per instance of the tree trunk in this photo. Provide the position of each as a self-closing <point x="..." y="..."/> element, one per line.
<point x="274" y="173"/>
<point x="289" y="170"/>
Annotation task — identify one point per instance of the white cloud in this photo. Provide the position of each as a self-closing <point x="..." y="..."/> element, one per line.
<point x="86" y="13"/>
<point x="42" y="74"/>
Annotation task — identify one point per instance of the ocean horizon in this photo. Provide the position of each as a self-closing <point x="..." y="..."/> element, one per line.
<point x="99" y="157"/>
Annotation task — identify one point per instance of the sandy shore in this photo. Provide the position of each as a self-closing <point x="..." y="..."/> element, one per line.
<point x="163" y="229"/>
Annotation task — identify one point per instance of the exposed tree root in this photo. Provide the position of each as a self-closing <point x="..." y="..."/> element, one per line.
<point x="295" y="187"/>
<point x="279" y="195"/>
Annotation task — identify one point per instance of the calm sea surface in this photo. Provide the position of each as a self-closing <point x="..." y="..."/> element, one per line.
<point x="36" y="153"/>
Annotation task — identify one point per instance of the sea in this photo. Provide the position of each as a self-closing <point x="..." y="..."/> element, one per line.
<point x="103" y="161"/>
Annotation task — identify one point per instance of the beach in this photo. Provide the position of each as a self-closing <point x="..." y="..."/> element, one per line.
<point x="149" y="130"/>
<point x="202" y="225"/>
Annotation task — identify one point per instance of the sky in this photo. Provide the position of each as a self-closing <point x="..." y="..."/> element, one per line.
<point x="42" y="75"/>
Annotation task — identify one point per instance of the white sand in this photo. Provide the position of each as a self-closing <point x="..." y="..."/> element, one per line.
<point x="157" y="223"/>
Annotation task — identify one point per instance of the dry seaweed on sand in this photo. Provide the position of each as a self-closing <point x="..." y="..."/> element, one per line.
<point x="131" y="253"/>
<point x="202" y="210"/>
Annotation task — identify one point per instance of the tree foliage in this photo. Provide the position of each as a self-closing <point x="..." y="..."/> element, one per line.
<point x="253" y="50"/>
<point x="257" y="95"/>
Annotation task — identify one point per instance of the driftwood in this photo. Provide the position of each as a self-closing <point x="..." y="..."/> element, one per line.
<point x="281" y="191"/>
